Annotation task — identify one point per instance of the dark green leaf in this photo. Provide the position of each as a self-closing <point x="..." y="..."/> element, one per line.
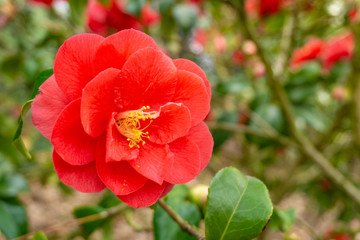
<point x="164" y="227"/>
<point x="83" y="211"/>
<point x="13" y="220"/>
<point x="40" y="79"/>
<point x="17" y="140"/>
<point x="39" y="236"/>
<point x="220" y="136"/>
<point x="238" y="206"/>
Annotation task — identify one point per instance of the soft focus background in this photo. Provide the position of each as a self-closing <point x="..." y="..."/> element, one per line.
<point x="313" y="48"/>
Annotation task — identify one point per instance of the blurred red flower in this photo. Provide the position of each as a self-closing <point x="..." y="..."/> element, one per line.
<point x="104" y="20"/>
<point x="122" y="115"/>
<point x="263" y="8"/>
<point x="311" y="50"/>
<point x="338" y="48"/>
<point x="238" y="57"/>
<point x="148" y="15"/>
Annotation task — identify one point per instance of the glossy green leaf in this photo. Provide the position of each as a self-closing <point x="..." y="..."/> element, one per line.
<point x="17" y="140"/>
<point x="39" y="236"/>
<point x="238" y="206"/>
<point x="13" y="220"/>
<point x="164" y="227"/>
<point x="83" y="211"/>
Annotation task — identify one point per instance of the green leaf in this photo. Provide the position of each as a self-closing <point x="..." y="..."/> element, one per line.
<point x="282" y="219"/>
<point x="109" y="200"/>
<point x="13" y="220"/>
<point x="164" y="227"/>
<point x="238" y="206"/>
<point x="17" y="140"/>
<point x="39" y="236"/>
<point x="77" y="8"/>
<point x="11" y="185"/>
<point x="221" y="136"/>
<point x="40" y="79"/>
<point x="90" y="227"/>
<point x="185" y="16"/>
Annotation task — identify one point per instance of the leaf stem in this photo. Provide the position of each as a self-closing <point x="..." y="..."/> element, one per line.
<point x="184" y="225"/>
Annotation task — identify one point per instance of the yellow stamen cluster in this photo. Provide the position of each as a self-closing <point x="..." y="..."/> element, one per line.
<point x="128" y="124"/>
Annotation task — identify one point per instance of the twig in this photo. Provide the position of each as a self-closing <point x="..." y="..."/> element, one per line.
<point x="75" y="222"/>
<point x="305" y="145"/>
<point x="184" y="225"/>
<point x="252" y="131"/>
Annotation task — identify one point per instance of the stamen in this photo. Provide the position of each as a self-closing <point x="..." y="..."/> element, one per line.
<point x="128" y="124"/>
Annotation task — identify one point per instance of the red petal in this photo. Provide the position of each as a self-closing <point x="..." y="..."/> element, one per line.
<point x="73" y="66"/>
<point x="187" y="65"/>
<point x="190" y="91"/>
<point x="167" y="189"/>
<point x="119" y="177"/>
<point x="117" y="148"/>
<point x="69" y="138"/>
<point x="97" y="102"/>
<point x="82" y="178"/>
<point x="145" y="196"/>
<point x="186" y="161"/>
<point x="153" y="162"/>
<point x="47" y="106"/>
<point x="201" y="135"/>
<point x="173" y="122"/>
<point x="149" y="78"/>
<point x="116" y="49"/>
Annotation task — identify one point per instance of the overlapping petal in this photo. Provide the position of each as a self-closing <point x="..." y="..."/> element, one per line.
<point x="69" y="138"/>
<point x="116" y="49"/>
<point x="145" y="196"/>
<point x="47" y="106"/>
<point x="117" y="147"/>
<point x="119" y="177"/>
<point x="187" y="161"/>
<point x="153" y="161"/>
<point x="190" y="91"/>
<point x="187" y="65"/>
<point x="202" y="137"/>
<point x="82" y="178"/>
<point x="73" y="66"/>
<point x="173" y="122"/>
<point x="148" y="78"/>
<point x="97" y="102"/>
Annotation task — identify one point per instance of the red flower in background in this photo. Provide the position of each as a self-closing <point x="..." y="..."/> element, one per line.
<point x="103" y="19"/>
<point x="338" y="48"/>
<point x="311" y="50"/>
<point x="46" y="2"/>
<point x="148" y="15"/>
<point x="122" y="115"/>
<point x="263" y="8"/>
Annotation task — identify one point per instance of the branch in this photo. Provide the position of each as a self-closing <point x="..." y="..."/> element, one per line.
<point x="184" y="225"/>
<point x="252" y="131"/>
<point x="75" y="222"/>
<point x="305" y="145"/>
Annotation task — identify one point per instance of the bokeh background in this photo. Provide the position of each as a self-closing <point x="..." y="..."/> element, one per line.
<point x="312" y="47"/>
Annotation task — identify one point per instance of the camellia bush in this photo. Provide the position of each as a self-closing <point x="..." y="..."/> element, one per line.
<point x="189" y="119"/>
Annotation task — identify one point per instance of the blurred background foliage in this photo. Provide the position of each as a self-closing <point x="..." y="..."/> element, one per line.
<point x="315" y="42"/>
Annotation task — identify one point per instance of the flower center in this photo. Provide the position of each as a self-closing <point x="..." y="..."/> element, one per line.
<point x="129" y="125"/>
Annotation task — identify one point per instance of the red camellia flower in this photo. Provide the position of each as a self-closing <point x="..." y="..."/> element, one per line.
<point x="311" y="50"/>
<point x="122" y="115"/>
<point x="104" y="19"/>
<point x="338" y="48"/>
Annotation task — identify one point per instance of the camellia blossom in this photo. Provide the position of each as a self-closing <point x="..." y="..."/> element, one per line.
<point x="338" y="48"/>
<point x="310" y="51"/>
<point x="123" y="115"/>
